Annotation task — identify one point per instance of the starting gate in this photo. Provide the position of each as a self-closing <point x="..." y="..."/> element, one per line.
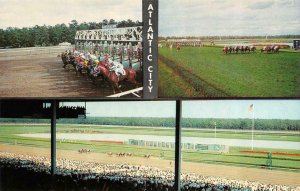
<point x="121" y="44"/>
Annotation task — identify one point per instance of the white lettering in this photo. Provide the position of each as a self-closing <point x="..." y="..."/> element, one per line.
<point x="150" y="8"/>
<point x="150" y="36"/>
<point x="150" y="29"/>
<point x="149" y="57"/>
<point x="150" y="69"/>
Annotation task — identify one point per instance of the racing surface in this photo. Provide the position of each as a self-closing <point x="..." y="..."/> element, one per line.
<point x="43" y="75"/>
<point x="231" y="172"/>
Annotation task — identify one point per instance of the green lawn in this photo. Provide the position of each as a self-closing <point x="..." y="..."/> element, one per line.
<point x="234" y="157"/>
<point x="237" y="75"/>
<point x="173" y="84"/>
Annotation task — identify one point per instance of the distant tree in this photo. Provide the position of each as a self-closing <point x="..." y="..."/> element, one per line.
<point x="52" y="35"/>
<point x="104" y="21"/>
<point x="111" y="21"/>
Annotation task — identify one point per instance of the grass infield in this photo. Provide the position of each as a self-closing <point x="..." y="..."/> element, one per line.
<point x="8" y="135"/>
<point x="210" y="73"/>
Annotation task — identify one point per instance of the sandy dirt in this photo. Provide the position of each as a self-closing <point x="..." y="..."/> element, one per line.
<point x="44" y="76"/>
<point x="231" y="172"/>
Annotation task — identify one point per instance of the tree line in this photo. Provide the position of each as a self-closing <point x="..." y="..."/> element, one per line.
<point x="239" y="124"/>
<point x="13" y="37"/>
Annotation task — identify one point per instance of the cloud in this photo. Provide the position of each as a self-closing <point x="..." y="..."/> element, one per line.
<point x="261" y="5"/>
<point x="227" y="17"/>
<point x="27" y="13"/>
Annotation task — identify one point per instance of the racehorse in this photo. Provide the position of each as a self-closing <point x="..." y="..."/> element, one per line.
<point x="267" y="49"/>
<point x="111" y="76"/>
<point x="236" y="49"/>
<point x="68" y="58"/>
<point x="275" y="49"/>
<point x="252" y="48"/>
<point x="63" y="56"/>
<point x="225" y="50"/>
<point x="177" y="47"/>
<point x="247" y="48"/>
<point x="230" y="49"/>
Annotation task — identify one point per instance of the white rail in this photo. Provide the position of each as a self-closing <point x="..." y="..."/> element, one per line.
<point x="134" y="92"/>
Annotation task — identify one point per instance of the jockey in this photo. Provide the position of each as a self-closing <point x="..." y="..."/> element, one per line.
<point x="177" y="46"/>
<point x="117" y="67"/>
<point x="83" y="59"/>
<point x="93" y="59"/>
<point x="76" y="53"/>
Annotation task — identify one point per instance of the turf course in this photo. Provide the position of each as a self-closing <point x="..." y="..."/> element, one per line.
<point x="8" y="135"/>
<point x="207" y="72"/>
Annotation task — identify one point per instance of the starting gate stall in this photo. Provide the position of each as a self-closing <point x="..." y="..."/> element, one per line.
<point x="184" y="42"/>
<point x="121" y="44"/>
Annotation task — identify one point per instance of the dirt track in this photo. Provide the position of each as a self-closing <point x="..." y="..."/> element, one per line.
<point x="43" y="76"/>
<point x="241" y="173"/>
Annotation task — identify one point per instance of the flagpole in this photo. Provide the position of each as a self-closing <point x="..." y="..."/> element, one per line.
<point x="252" y="125"/>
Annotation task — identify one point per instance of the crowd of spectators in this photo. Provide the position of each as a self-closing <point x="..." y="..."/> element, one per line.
<point x="33" y="173"/>
<point x="70" y="111"/>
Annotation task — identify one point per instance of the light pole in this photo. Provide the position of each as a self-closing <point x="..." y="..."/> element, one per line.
<point x="215" y="123"/>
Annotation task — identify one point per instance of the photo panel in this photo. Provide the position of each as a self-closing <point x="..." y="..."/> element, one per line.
<point x="229" y="48"/>
<point x="138" y="139"/>
<point x="240" y="144"/>
<point x="103" y="147"/>
<point x="71" y="49"/>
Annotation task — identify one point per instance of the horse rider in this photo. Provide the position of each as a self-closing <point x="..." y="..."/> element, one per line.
<point x="177" y="46"/>
<point x="117" y="67"/>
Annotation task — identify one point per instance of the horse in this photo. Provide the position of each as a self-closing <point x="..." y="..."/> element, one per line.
<point x="68" y="58"/>
<point x="147" y="156"/>
<point x="276" y="49"/>
<point x="64" y="58"/>
<point x="272" y="48"/>
<point x="247" y="48"/>
<point x="242" y="49"/>
<point x="177" y="47"/>
<point x="81" y="65"/>
<point x="230" y="49"/>
<point x="94" y="72"/>
<point x="252" y="48"/>
<point x="114" y="80"/>
<point x="225" y="50"/>
<point x="266" y="49"/>
<point x="236" y="49"/>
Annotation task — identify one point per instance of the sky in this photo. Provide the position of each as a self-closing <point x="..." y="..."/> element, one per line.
<point x="28" y="13"/>
<point x="228" y="17"/>
<point x="129" y="108"/>
<point x="263" y="109"/>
